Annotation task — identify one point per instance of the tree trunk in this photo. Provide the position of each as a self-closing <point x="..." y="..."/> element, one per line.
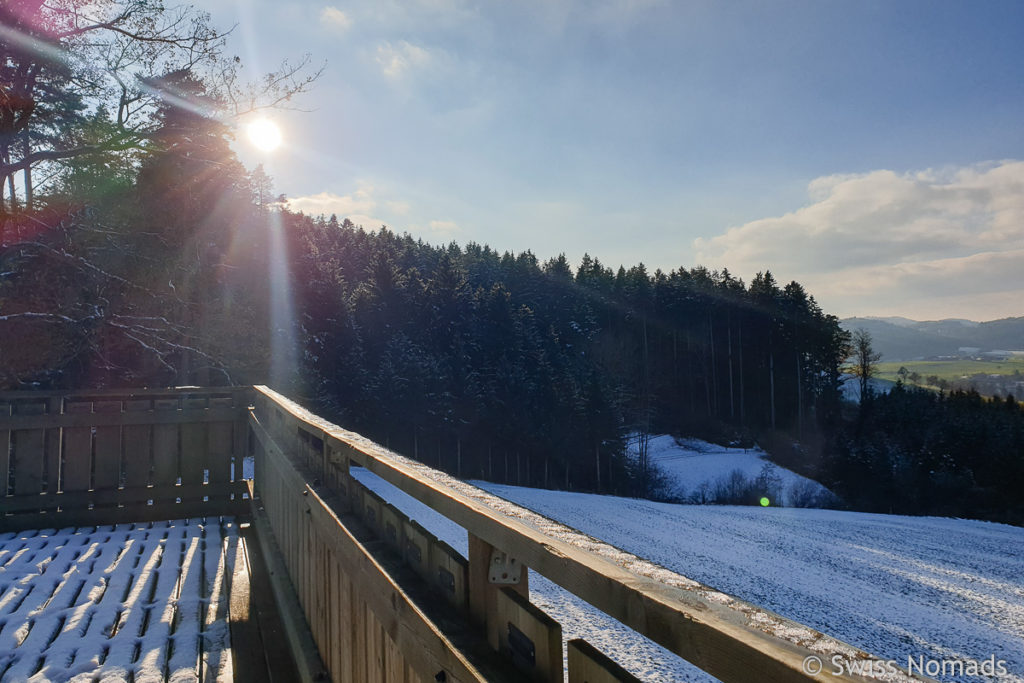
<point x="28" y="176"/>
<point x="597" y="462"/>
<point x="732" y="400"/>
<point x="739" y="342"/>
<point x="771" y="385"/>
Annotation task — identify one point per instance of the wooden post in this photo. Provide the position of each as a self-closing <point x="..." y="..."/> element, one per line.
<point x="483" y="595"/>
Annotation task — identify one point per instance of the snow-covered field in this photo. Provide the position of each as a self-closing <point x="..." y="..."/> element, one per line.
<point x="696" y="467"/>
<point x="142" y="602"/>
<point x="898" y="587"/>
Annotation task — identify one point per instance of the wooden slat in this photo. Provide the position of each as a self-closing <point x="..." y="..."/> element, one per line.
<point x="51" y="447"/>
<point x="220" y="446"/>
<point x="165" y="444"/>
<point x="416" y="551"/>
<point x="5" y="446"/>
<point x="138" y="446"/>
<point x="450" y="574"/>
<point x="728" y="639"/>
<point x="107" y="448"/>
<point x="194" y="454"/>
<point x="77" y="461"/>
<point x="587" y="664"/>
<point x="27" y="452"/>
<point x="529" y="637"/>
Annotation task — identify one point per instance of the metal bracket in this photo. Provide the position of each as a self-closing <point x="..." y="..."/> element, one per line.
<point x="504" y="568"/>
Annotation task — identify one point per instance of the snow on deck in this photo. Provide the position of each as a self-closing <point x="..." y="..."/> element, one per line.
<point x="132" y="602"/>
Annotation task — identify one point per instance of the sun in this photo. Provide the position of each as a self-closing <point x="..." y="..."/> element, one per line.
<point x="264" y="134"/>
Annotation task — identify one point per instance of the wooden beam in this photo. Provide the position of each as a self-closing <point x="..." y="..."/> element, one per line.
<point x="116" y="419"/>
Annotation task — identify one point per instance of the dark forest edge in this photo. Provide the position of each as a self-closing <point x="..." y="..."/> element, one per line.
<point x="144" y="254"/>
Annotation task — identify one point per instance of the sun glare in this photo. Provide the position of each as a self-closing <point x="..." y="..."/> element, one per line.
<point x="264" y="134"/>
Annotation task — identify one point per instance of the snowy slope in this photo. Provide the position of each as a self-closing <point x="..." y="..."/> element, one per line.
<point x="897" y="587"/>
<point x="694" y="465"/>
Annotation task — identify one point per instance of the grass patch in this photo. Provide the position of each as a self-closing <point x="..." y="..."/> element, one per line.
<point x="951" y="370"/>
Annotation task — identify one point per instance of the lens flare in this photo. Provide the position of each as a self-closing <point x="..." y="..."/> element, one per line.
<point x="264" y="134"/>
<point x="765" y="502"/>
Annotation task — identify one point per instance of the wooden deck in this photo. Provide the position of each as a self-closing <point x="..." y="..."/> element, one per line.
<point x="131" y="602"/>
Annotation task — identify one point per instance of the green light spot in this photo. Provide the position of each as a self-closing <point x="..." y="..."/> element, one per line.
<point x="765" y="502"/>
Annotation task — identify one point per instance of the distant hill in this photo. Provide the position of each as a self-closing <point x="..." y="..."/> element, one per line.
<point x="905" y="339"/>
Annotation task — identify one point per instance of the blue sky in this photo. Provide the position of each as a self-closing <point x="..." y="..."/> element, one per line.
<point x="865" y="149"/>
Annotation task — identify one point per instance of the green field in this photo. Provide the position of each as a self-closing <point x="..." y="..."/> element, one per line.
<point x="951" y="370"/>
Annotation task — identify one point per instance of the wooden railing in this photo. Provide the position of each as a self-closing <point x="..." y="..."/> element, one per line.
<point x="386" y="601"/>
<point x="114" y="456"/>
<point x="366" y="593"/>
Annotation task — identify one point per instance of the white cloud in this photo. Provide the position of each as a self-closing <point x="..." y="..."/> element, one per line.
<point x="396" y="60"/>
<point x="334" y="18"/>
<point x="885" y="243"/>
<point x="359" y="206"/>
<point x="444" y="228"/>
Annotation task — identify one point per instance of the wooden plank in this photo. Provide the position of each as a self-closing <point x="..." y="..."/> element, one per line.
<point x="138" y="446"/>
<point x="451" y="574"/>
<point x="728" y="639"/>
<point x="247" y="649"/>
<point x="392" y="523"/>
<point x="107" y="448"/>
<point x="220" y="446"/>
<point x="373" y="505"/>
<point x="194" y="445"/>
<point x="529" y="637"/>
<point x="298" y="636"/>
<point x="122" y="496"/>
<point x="166" y="444"/>
<point x="90" y="395"/>
<point x="188" y="416"/>
<point x="76" y="470"/>
<point x="51" y="447"/>
<point x="273" y="640"/>
<point x="27" y="452"/>
<point x="5" y="449"/>
<point x="416" y="551"/>
<point x="587" y="664"/>
<point x="117" y="515"/>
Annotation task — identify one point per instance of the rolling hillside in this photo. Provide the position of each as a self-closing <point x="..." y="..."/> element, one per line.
<point x="903" y="339"/>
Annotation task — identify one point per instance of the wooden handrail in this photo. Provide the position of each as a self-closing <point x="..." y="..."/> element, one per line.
<point x="729" y="638"/>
